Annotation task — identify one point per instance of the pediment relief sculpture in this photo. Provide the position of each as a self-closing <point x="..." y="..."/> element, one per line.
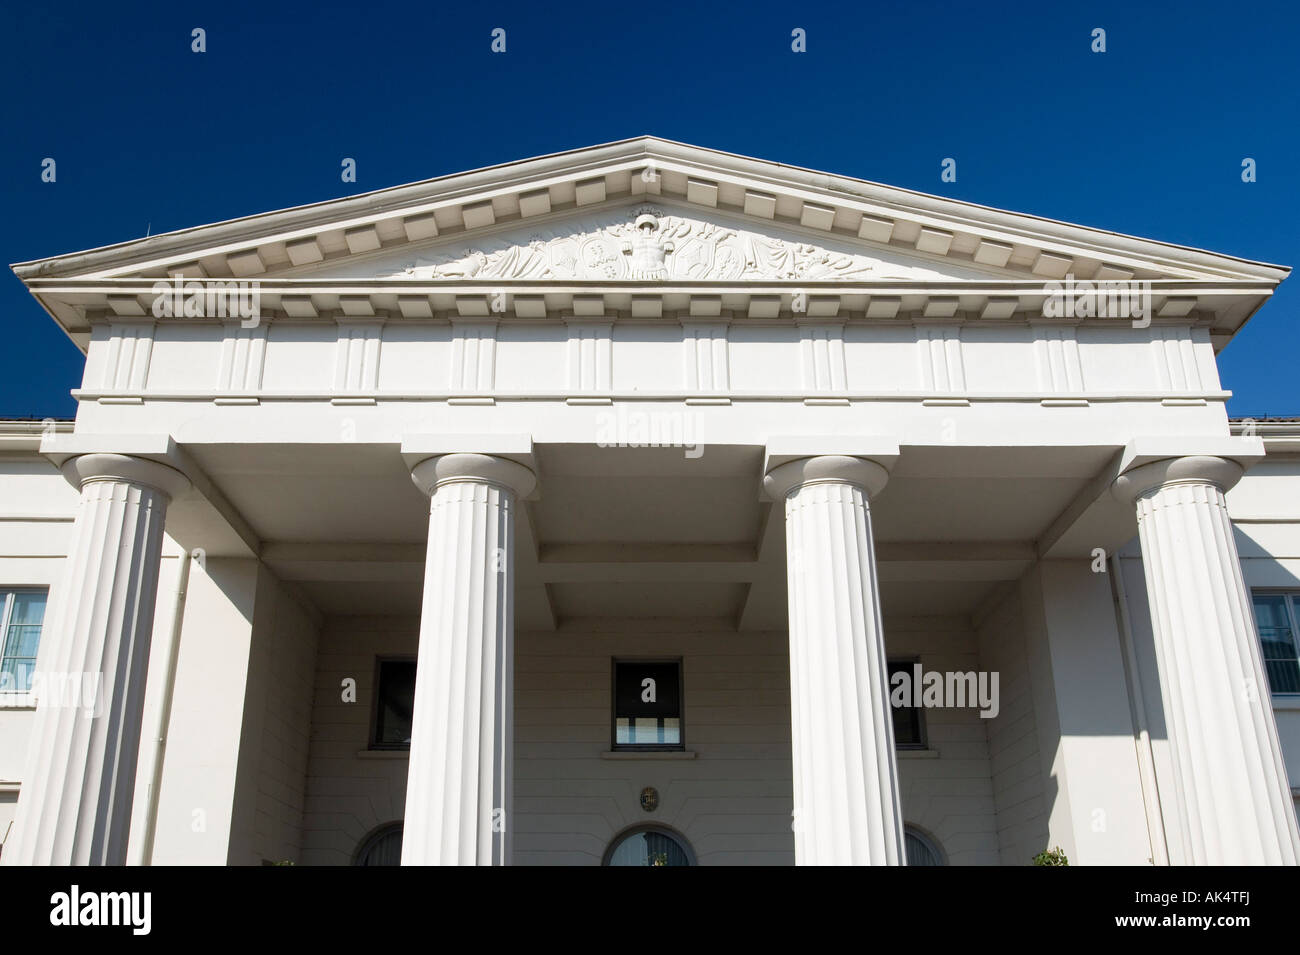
<point x="652" y="245"/>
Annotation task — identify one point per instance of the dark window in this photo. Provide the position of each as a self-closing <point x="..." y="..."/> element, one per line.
<point x="1275" y="618"/>
<point x="908" y="732"/>
<point x="648" y="704"/>
<point x="395" y="700"/>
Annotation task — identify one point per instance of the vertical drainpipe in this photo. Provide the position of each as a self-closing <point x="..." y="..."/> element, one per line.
<point x="1137" y="709"/>
<point x="144" y="856"/>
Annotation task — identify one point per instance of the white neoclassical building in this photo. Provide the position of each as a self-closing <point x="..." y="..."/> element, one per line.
<point x="599" y="508"/>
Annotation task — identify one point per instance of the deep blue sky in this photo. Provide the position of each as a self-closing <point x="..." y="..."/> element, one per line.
<point x="1147" y="138"/>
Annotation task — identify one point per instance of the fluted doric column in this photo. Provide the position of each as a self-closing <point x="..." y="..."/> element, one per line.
<point x="846" y="800"/>
<point x="75" y="804"/>
<point x="1234" y="802"/>
<point x="459" y="787"/>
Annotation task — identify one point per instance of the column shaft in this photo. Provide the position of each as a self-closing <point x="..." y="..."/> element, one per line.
<point x="846" y="798"/>
<point x="75" y="803"/>
<point x="459" y="788"/>
<point x="1235" y="804"/>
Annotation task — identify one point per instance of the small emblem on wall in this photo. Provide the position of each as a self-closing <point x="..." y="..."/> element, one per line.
<point x="649" y="799"/>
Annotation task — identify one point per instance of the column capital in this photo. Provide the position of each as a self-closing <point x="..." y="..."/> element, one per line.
<point x="1223" y="473"/>
<point x="865" y="473"/>
<point x="440" y="469"/>
<point x="82" y="469"/>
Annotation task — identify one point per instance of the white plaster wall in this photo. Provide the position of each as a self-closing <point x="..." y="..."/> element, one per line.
<point x="998" y="358"/>
<point x="1014" y="759"/>
<point x="234" y="766"/>
<point x="300" y="356"/>
<point x="732" y="802"/>
<point x="880" y="358"/>
<point x="534" y="353"/>
<point x="185" y="355"/>
<point x="764" y="357"/>
<point x="648" y="357"/>
<point x="1144" y="651"/>
<point x="271" y="786"/>
<point x="947" y="790"/>
<point x="415" y="353"/>
<point x="1086" y="739"/>
<point x="350" y="792"/>
<point x="203" y="746"/>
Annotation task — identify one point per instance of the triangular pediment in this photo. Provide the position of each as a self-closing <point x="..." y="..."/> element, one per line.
<point x="649" y="242"/>
<point x="597" y="187"/>
<point x="715" y="218"/>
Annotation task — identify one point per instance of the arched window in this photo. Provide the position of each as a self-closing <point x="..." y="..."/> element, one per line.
<point x="921" y="849"/>
<point x="648" y="845"/>
<point x="382" y="847"/>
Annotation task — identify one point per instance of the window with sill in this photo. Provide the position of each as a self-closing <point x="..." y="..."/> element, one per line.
<point x="22" y="614"/>
<point x="648" y="705"/>
<point x="1277" y="615"/>
<point x="394" y="704"/>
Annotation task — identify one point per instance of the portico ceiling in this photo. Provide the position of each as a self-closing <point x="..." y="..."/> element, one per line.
<point x="645" y="532"/>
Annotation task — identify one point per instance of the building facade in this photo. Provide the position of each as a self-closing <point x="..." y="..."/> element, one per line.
<point x="645" y="504"/>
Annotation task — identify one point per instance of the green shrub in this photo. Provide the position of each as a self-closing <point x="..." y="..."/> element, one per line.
<point x="1051" y="857"/>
